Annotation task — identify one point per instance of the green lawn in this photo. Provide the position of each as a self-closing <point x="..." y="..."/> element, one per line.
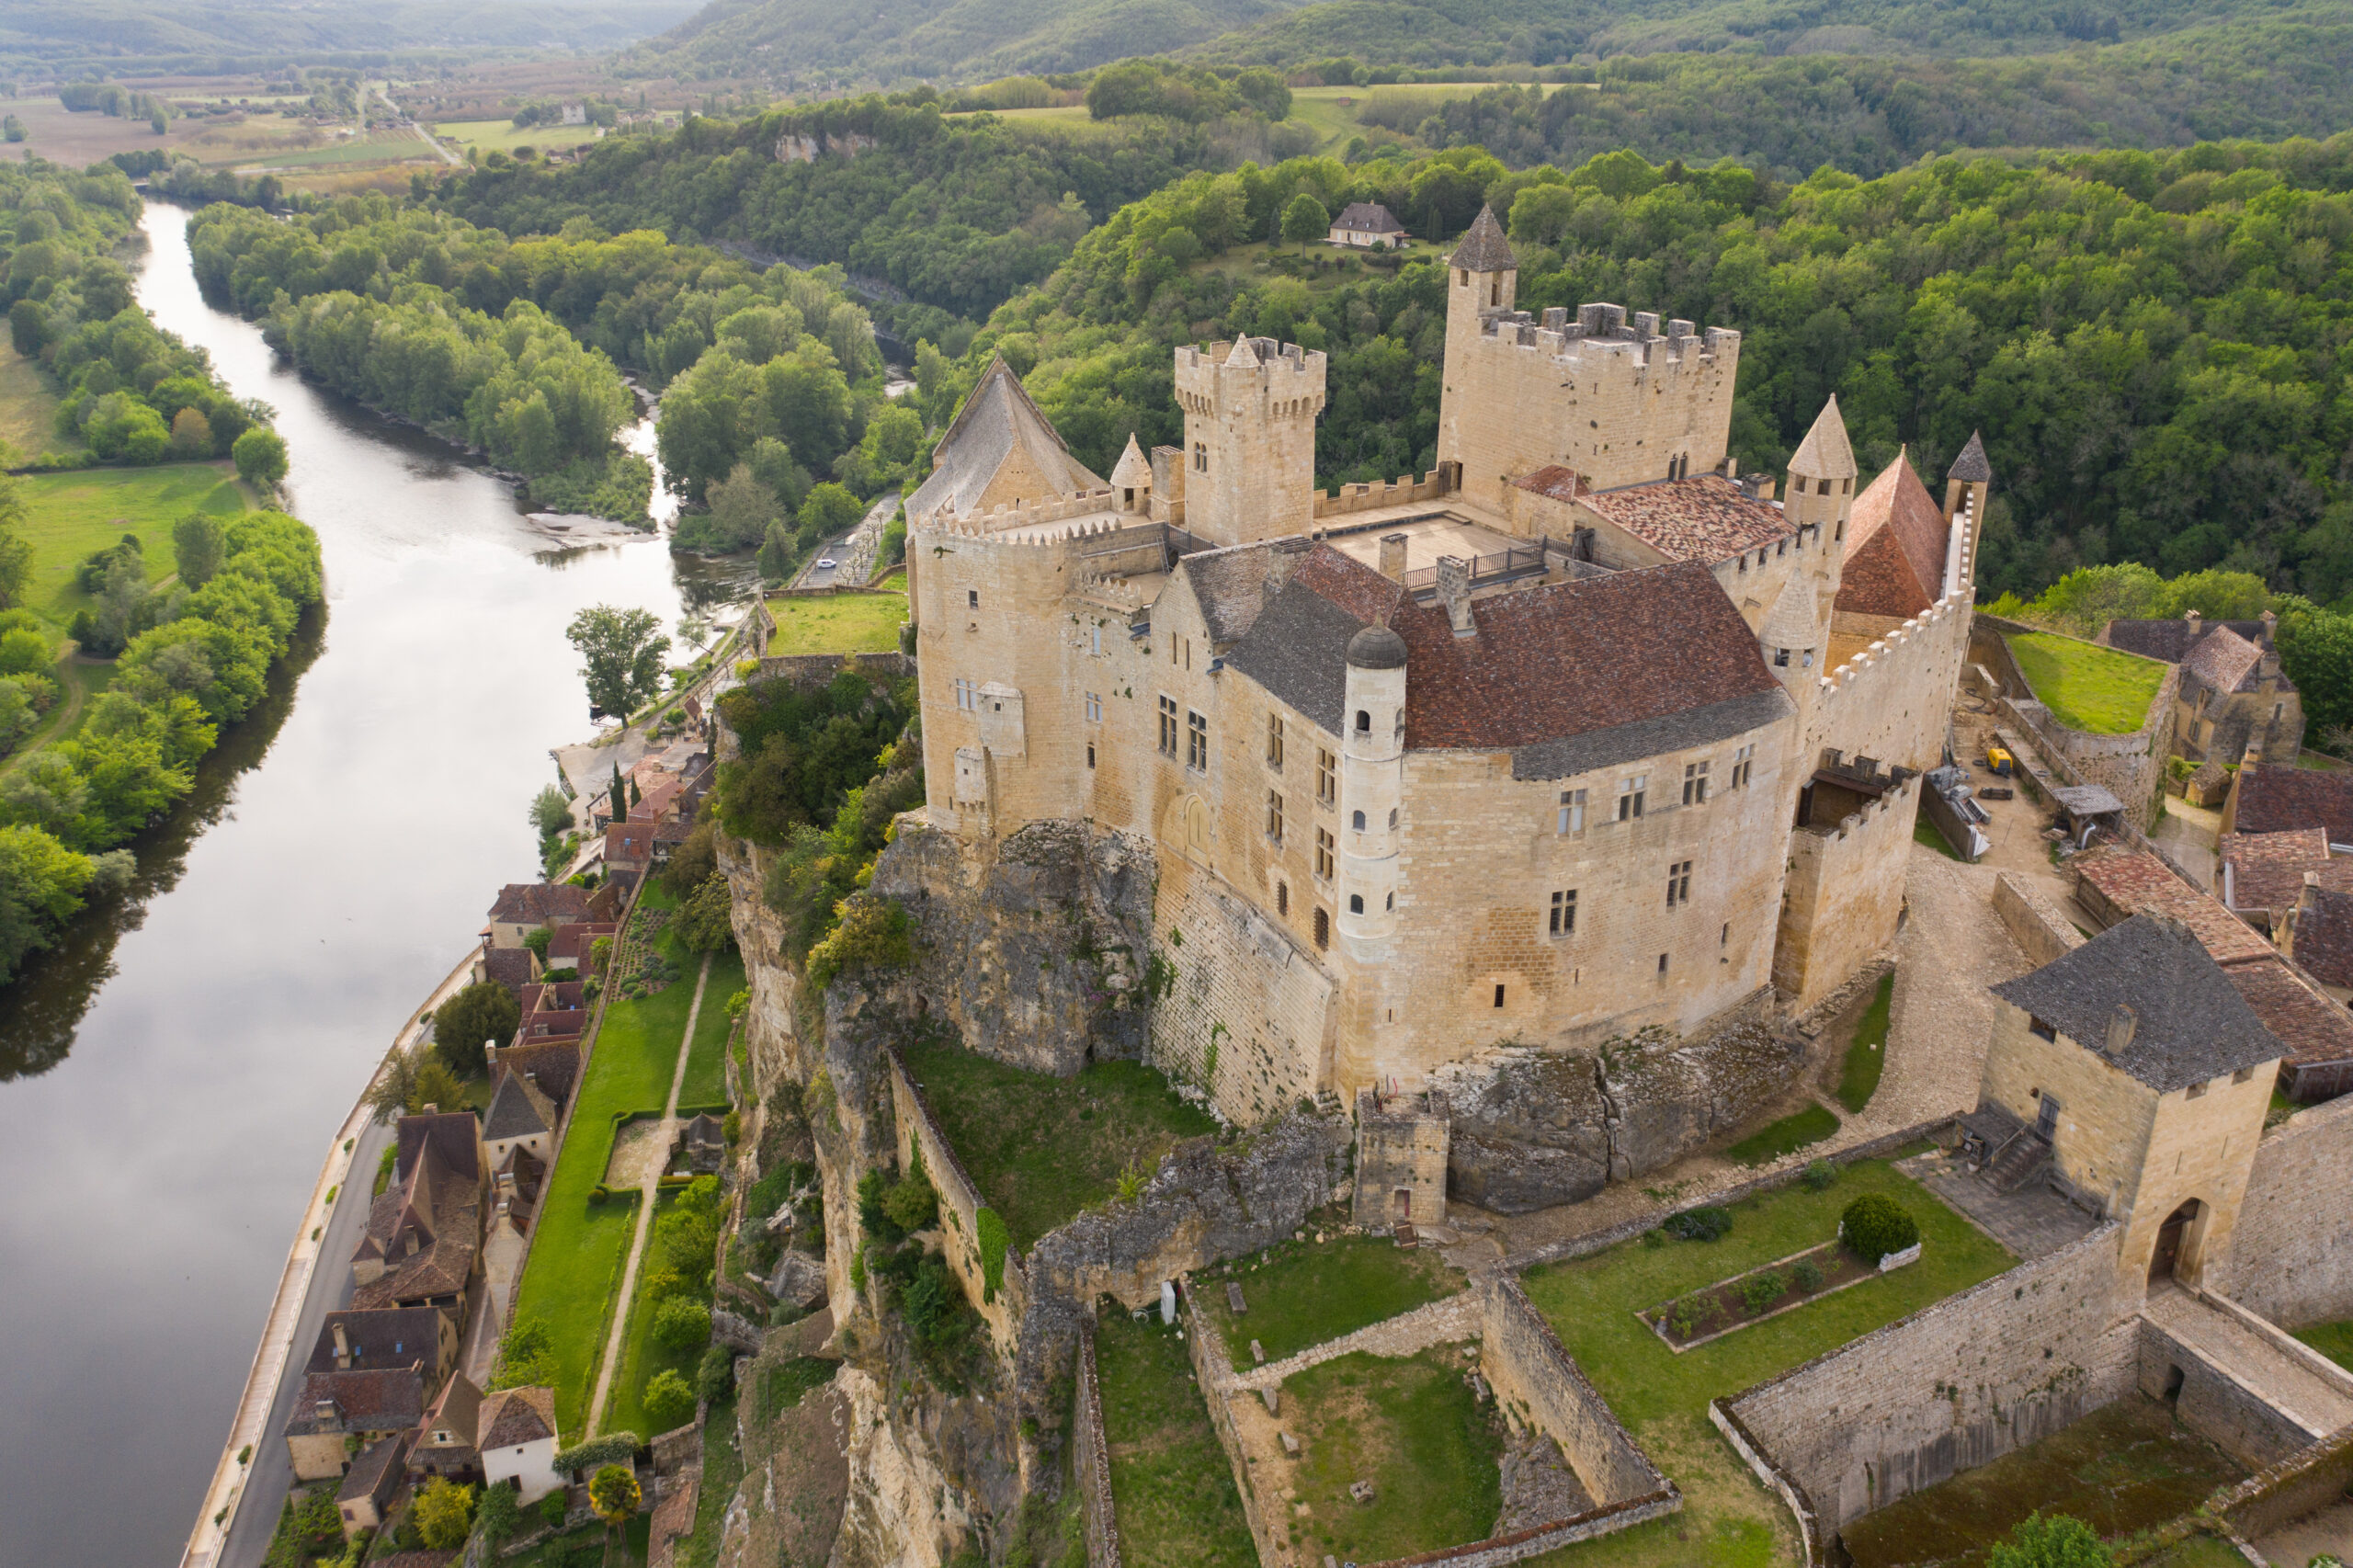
<point x="1412" y="1427"/>
<point x="706" y="1082"/>
<point x="1171" y="1484"/>
<point x="2333" y="1340"/>
<point x="1925" y="831"/>
<point x="1867" y="1051"/>
<point x="2086" y="686"/>
<point x="838" y="623"/>
<point x="722" y="1471"/>
<point x="68" y="515"/>
<point x="2200" y="1552"/>
<point x="1308" y="1293"/>
<point x="1042" y="1148"/>
<point x="1729" y="1521"/>
<point x="574" y="1269"/>
<point x="28" y="404"/>
<point x="642" y="1359"/>
<point x="1775" y="1138"/>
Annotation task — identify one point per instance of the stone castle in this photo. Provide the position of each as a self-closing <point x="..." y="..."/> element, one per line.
<point x="1583" y="734"/>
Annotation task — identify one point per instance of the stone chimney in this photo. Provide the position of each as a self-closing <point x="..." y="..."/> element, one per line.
<point x="2308" y="894"/>
<point x="1454" y="592"/>
<point x="2120" y="1024"/>
<point x="2270" y="625"/>
<point x="1392" y="557"/>
<point x="2197" y="624"/>
<point x="343" y="1341"/>
<point x="2254" y="758"/>
<point x="325" y="1410"/>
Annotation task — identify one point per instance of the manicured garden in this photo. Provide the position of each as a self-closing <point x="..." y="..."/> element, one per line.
<point x="574" y="1269"/>
<point x="1785" y="1136"/>
<point x="1867" y="1050"/>
<point x="836" y="623"/>
<point x="1042" y="1148"/>
<point x="1304" y="1293"/>
<point x="2086" y="686"/>
<point x="2122" y="1469"/>
<point x="1662" y="1397"/>
<point x="1171" y="1482"/>
<point x="1413" y="1428"/>
<point x="1872" y="1228"/>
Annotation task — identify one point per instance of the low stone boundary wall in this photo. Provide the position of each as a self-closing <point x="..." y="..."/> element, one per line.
<point x="1457" y="1317"/>
<point x="2034" y="923"/>
<point x="2304" y="1482"/>
<point x="811" y="672"/>
<point x="1215" y="1382"/>
<point x="1095" y="1460"/>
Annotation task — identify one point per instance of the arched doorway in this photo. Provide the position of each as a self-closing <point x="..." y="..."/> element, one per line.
<point x="2170" y="1236"/>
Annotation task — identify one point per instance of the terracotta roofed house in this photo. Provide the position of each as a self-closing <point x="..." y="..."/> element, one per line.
<point x="2232" y="696"/>
<point x="513" y="967"/>
<point x="386" y="1337"/>
<point x="2266" y="798"/>
<point x="2262" y="874"/>
<point x="2318" y="935"/>
<point x="523" y="907"/>
<point x="515" y="1432"/>
<point x="553" y="1065"/>
<point x="369" y="1485"/>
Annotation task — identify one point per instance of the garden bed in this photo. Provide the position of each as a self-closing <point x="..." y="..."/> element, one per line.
<point x="1784" y="1285"/>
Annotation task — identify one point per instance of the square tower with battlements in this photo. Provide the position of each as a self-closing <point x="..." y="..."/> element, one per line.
<point x="1250" y="409"/>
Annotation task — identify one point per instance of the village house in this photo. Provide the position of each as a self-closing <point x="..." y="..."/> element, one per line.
<point x="2279" y="797"/>
<point x="552" y="1012"/>
<point x="1363" y="224"/>
<point x="552" y="1065"/>
<point x="2231" y="695"/>
<point x="333" y="1406"/>
<point x="522" y="908"/>
<point x="370" y="1484"/>
<point x="521" y="1116"/>
<point x="443" y="1442"/>
<point x="516" y="1437"/>
<point x="573" y="946"/>
<point x="372" y="1339"/>
<point x="423" y="1242"/>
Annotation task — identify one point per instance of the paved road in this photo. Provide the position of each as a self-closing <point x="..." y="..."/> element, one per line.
<point x="273" y="1473"/>
<point x="811" y="577"/>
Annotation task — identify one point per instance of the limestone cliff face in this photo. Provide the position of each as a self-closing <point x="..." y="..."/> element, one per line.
<point x="1033" y="952"/>
<point x="1535" y="1128"/>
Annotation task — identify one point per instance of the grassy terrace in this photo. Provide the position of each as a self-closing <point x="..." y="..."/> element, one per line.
<point x="1729" y="1520"/>
<point x="1775" y="1138"/>
<point x="706" y="1080"/>
<point x="1866" y="1051"/>
<point x="574" y="1269"/>
<point x="1170" y="1479"/>
<point x="642" y="1359"/>
<point x="1042" y="1148"/>
<point x="1413" y="1428"/>
<point x="2086" y="686"/>
<point x="841" y="623"/>
<point x="1307" y="1292"/>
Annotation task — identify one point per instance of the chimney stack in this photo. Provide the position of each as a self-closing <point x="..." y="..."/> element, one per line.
<point x="2197" y="624"/>
<point x="1392" y="557"/>
<point x="2270" y="625"/>
<point x="2120" y="1024"/>
<point x="1454" y="592"/>
<point x="343" y="1345"/>
<point x="2308" y="894"/>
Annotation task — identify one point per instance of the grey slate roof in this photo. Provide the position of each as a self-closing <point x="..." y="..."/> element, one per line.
<point x="2172" y="639"/>
<point x="996" y="418"/>
<point x="1484" y="248"/>
<point x="1229" y="584"/>
<point x="1298" y="648"/>
<point x="2193" y="1024"/>
<point x="517" y="1109"/>
<point x="1971" y="467"/>
<point x="1368" y="218"/>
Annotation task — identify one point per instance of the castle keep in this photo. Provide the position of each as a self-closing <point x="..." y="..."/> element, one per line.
<point x="1578" y="734"/>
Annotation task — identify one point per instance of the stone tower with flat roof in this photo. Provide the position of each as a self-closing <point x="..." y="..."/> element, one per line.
<point x="1250" y="409"/>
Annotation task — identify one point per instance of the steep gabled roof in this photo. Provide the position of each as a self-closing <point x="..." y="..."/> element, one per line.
<point x="1368" y="218"/>
<point x="1825" y="453"/>
<point x="517" y="1109"/>
<point x="515" y="1417"/>
<point x="1484" y="248"/>
<point x="1895" y="546"/>
<point x="2220" y="661"/>
<point x="1133" y="470"/>
<point x="2192" y="1025"/>
<point x="998" y="421"/>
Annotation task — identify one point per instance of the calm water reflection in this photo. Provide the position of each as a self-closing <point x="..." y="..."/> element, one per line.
<point x="172" y="1073"/>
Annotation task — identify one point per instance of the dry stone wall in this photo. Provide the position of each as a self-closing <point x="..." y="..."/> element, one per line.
<point x="2213" y="1405"/>
<point x="1535" y="1377"/>
<point x="2288" y="1260"/>
<point x="1949" y="1388"/>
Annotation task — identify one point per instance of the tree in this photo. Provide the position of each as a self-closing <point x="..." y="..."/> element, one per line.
<point x="260" y="457"/>
<point x="705" y="923"/>
<point x="499" y="1514"/>
<point x="829" y="510"/>
<point x="191" y="435"/>
<point x="444" y="1513"/>
<point x="682" y="1324"/>
<point x="715" y="1376"/>
<point x="1306" y="219"/>
<point x="388" y="1096"/>
<point x="435" y="1087"/>
<point x="613" y="1492"/>
<point x="484" y="1011"/>
<point x="41" y="883"/>
<point x="2057" y="1541"/>
<point x="551" y="812"/>
<point x="199" y="545"/>
<point x="526" y="1355"/>
<point x="616" y="796"/>
<point x="741" y="510"/>
<point x="1876" y="1225"/>
<point x="621" y="650"/>
<point x="669" y="1401"/>
<point x="15" y="553"/>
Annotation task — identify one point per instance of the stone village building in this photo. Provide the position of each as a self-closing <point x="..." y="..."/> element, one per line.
<point x="1578" y="734"/>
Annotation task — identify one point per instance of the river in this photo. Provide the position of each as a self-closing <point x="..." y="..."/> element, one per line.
<point x="171" y="1075"/>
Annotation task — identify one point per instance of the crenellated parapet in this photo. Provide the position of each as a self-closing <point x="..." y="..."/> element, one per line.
<point x="1600" y="343"/>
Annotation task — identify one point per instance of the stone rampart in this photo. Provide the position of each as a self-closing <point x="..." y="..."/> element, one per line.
<point x="1892" y="702"/>
<point x="1843" y="894"/>
<point x="2033" y="922"/>
<point x="1093" y="1456"/>
<point x="813" y="672"/>
<point x="2212" y="1403"/>
<point x="2288" y="1258"/>
<point x="1402" y="491"/>
<point x="960" y="1204"/>
<point x="1949" y="1388"/>
<point x="1203" y="1345"/>
<point x="1243" y="1015"/>
<point x="1536" y="1378"/>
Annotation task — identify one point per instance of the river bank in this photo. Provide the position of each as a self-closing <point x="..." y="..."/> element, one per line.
<point x="168" y="1074"/>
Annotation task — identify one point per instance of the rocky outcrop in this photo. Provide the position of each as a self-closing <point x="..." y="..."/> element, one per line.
<point x="1035" y="954"/>
<point x="1533" y="1127"/>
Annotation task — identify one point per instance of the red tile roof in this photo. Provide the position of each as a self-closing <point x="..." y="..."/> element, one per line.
<point x="1705" y="518"/>
<point x="2266" y="870"/>
<point x="1560" y="484"/>
<point x="514" y="1416"/>
<point x="2313" y="1029"/>
<point x="553" y="1065"/>
<point x="2324" y="938"/>
<point x="1896" y="547"/>
<point x="2136" y="881"/>
<point x="535" y="903"/>
<point x="2273" y="800"/>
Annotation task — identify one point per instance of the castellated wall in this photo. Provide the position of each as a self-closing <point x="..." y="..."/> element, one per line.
<point x="2288" y="1260"/>
<point x="1892" y="702"/>
<point x="1522" y="393"/>
<point x="1949" y="1388"/>
<point x="1246" y="1015"/>
<point x="1249" y="409"/>
<point x="1845" y="892"/>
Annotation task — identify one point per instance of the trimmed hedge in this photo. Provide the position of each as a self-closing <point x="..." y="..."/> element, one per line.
<point x="1876" y="1225"/>
<point x="1701" y="1224"/>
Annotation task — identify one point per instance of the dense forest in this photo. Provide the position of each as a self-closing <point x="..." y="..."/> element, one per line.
<point x="2154" y="346"/>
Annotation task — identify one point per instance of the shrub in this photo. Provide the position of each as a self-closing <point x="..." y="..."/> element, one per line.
<point x="444" y="1513"/>
<point x="2057" y="1541"/>
<point x="912" y="1204"/>
<point x="669" y="1402"/>
<point x="1819" y="1176"/>
<point x="613" y="1448"/>
<point x="1683" y="1317"/>
<point x="1701" y="1224"/>
<point x="553" y="1508"/>
<point x="681" y="1324"/>
<point x="1876" y="1225"/>
<point x="1806" y="1276"/>
<point x="715" y="1376"/>
<point x="526" y="1355"/>
<point x="993" y="1240"/>
<point x="1759" y="1291"/>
